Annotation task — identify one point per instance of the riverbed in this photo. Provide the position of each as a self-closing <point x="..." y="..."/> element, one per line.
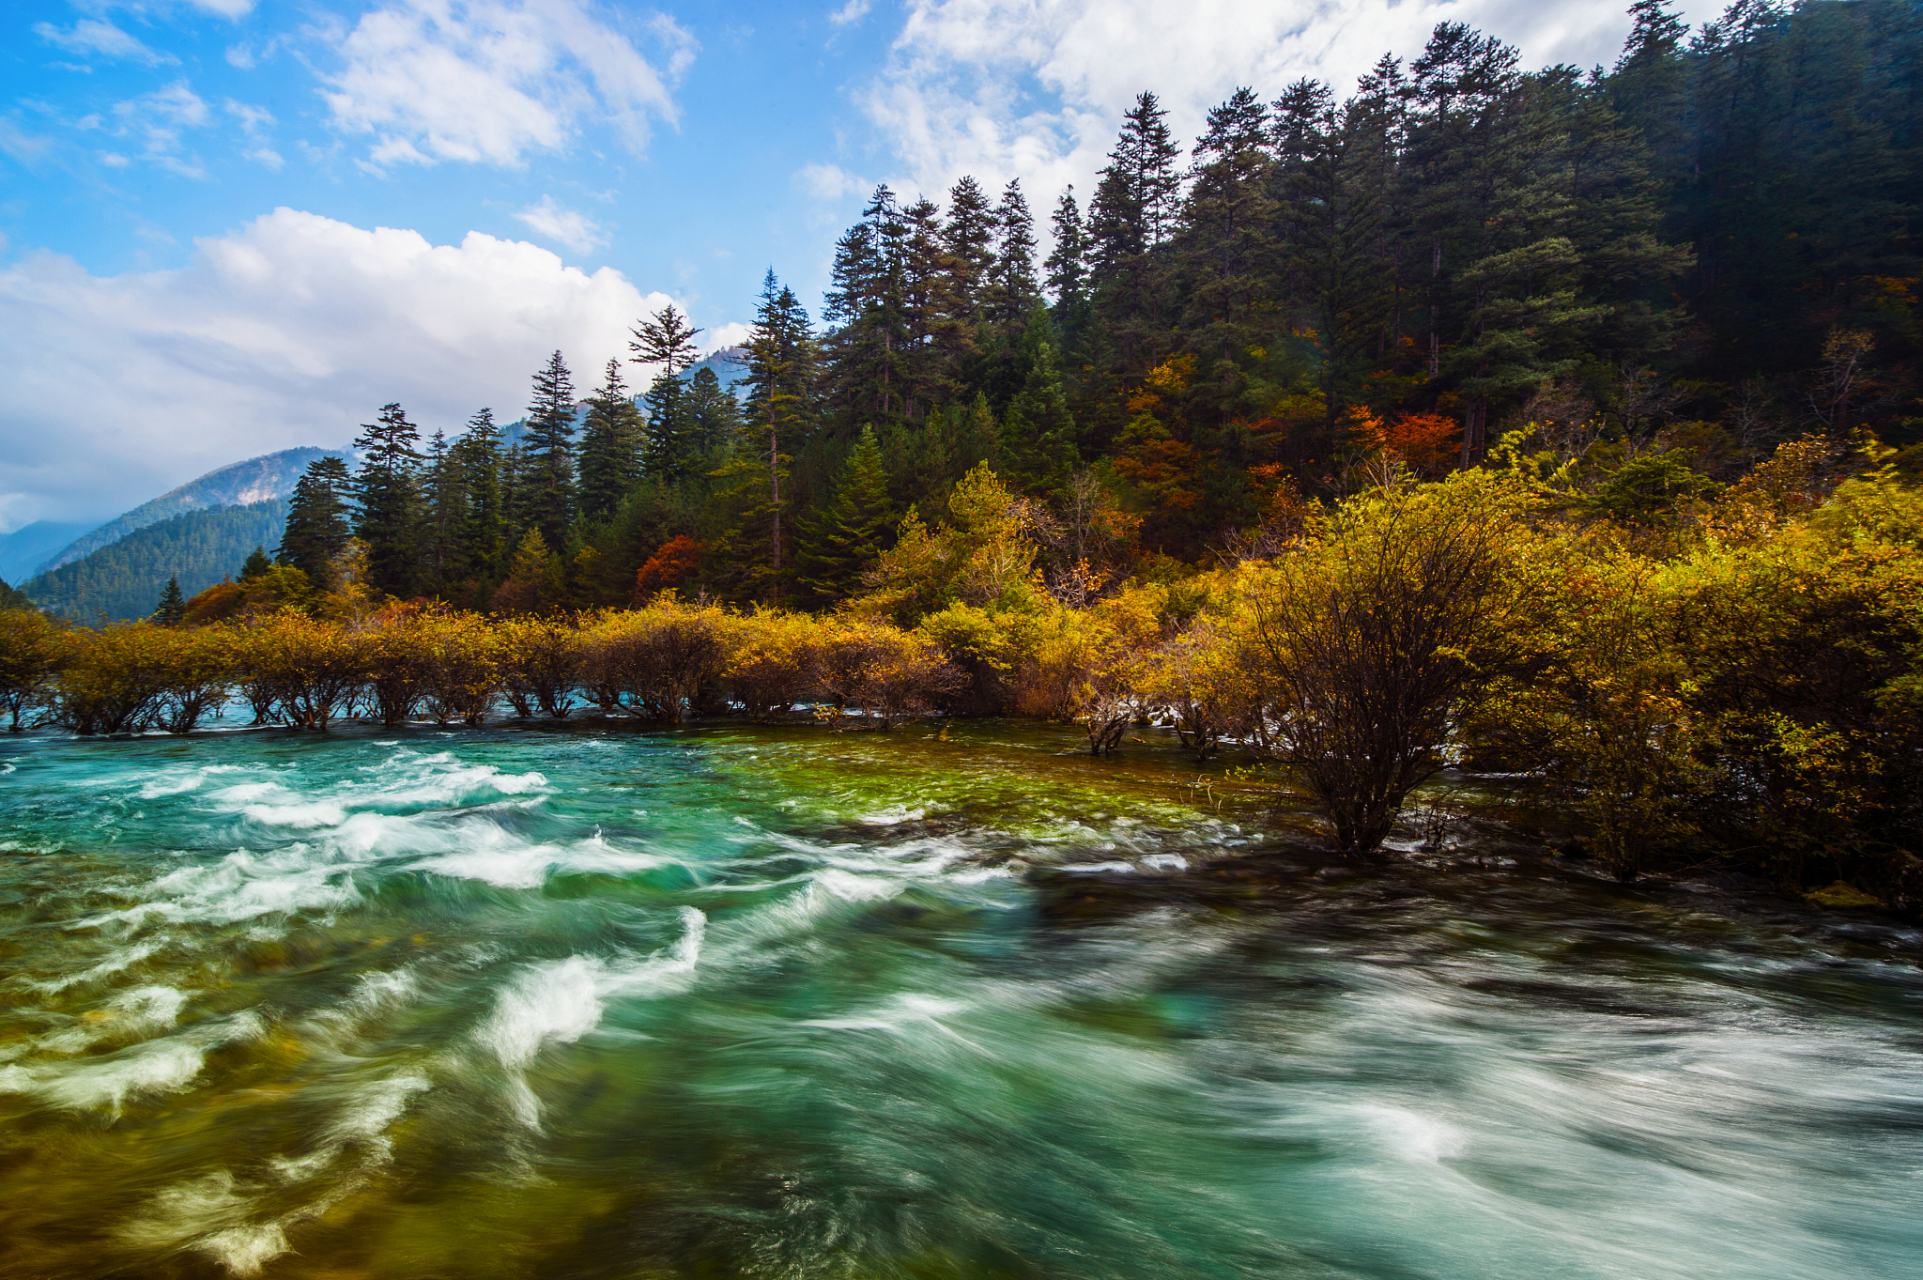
<point x="595" y="1001"/>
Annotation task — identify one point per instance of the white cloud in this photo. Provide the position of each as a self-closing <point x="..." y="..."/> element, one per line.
<point x="732" y="334"/>
<point x="254" y="123"/>
<point x="290" y="331"/>
<point x="853" y="11"/>
<point x="104" y="38"/>
<point x="241" y="55"/>
<point x="828" y="182"/>
<point x="226" y="8"/>
<point x="491" y="80"/>
<point x="1035" y="89"/>
<point x="551" y="221"/>
<point x="157" y="121"/>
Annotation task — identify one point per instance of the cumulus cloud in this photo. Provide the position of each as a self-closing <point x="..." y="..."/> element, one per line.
<point x="551" y="221"/>
<point x="92" y="36"/>
<point x="1035" y="89"/>
<point x="291" y="331"/>
<point x="492" y="80"/>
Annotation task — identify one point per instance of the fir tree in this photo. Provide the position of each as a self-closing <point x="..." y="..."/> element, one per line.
<point x="317" y="526"/>
<point x="967" y="253"/>
<point x="610" y="447"/>
<point x="1011" y="291"/>
<point x="483" y="528"/>
<point x="548" y="496"/>
<point x="1066" y="262"/>
<point x="1038" y="431"/>
<point x="387" y="493"/>
<point x="851" y="530"/>
<point x="446" y="501"/>
<point x="255" y="565"/>
<point x="172" y="609"/>
<point x="666" y="340"/>
<point x="714" y="415"/>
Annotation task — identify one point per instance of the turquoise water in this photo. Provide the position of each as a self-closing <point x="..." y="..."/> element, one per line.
<point x="594" y="1002"/>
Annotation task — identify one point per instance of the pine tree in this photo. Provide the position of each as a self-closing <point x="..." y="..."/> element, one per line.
<point x="483" y="529"/>
<point x="1012" y="291"/>
<point x="257" y="563"/>
<point x="851" y="530"/>
<point x="611" y="442"/>
<point x="967" y="253"/>
<point x="172" y="609"/>
<point x="865" y="307"/>
<point x="1225" y="250"/>
<point x="714" y="414"/>
<point x="387" y="492"/>
<point x="1066" y="262"/>
<point x="548" y="496"/>
<point x="1038" y="432"/>
<point x="666" y="341"/>
<point x="444" y="559"/>
<point x="317" y="526"/>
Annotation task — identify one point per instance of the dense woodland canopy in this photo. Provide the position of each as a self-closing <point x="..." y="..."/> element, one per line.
<point x="1561" y="424"/>
<point x="1677" y="263"/>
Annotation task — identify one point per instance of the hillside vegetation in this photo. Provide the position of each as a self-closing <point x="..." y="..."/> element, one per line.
<point x="124" y="578"/>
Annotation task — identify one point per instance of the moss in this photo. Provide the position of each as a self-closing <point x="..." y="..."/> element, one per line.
<point x="1842" y="896"/>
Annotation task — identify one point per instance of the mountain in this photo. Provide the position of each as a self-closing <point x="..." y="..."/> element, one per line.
<point x="239" y="484"/>
<point x="125" y="578"/>
<point x="27" y="548"/>
<point x="730" y="364"/>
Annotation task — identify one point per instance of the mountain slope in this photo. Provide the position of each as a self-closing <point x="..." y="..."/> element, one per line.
<point x="26" y="549"/>
<point x="256" y="480"/>
<point x="125" y="578"/>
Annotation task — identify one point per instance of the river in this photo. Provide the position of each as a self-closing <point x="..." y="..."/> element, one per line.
<point x="591" y="1001"/>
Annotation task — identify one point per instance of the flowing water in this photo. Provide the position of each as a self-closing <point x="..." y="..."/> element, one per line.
<point x="593" y="1002"/>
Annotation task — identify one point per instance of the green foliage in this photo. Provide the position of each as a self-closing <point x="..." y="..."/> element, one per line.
<point x="852" y="530"/>
<point x="124" y="579"/>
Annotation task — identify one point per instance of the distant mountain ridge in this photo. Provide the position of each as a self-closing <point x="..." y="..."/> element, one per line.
<point x="125" y="578"/>
<point x="239" y="484"/>
<point x="26" y="549"/>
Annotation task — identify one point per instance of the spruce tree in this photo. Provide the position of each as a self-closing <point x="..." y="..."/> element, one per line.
<point x="1066" y="262"/>
<point x="714" y="415"/>
<point x="611" y="442"/>
<point x="483" y="529"/>
<point x="317" y="526"/>
<point x="847" y="534"/>
<point x="387" y="493"/>
<point x="968" y="255"/>
<point x="548" y="497"/>
<point x="444" y="484"/>
<point x="172" y="609"/>
<point x="666" y="341"/>
<point x="257" y="563"/>
<point x="1012" y="291"/>
<point x="1037" y="435"/>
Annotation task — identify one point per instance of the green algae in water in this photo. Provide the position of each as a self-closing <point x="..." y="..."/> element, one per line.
<point x="598" y="1002"/>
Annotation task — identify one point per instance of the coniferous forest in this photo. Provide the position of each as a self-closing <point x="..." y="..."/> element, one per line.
<point x="1670" y="266"/>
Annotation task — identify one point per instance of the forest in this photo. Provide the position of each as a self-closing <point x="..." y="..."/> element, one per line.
<point x="1561" y="425"/>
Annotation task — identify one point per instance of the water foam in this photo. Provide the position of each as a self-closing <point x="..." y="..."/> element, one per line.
<point x="556" y="1002"/>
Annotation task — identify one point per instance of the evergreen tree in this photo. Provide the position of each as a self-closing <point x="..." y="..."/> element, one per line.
<point x="172" y="609"/>
<point x="1066" y="262"/>
<point x="317" y="519"/>
<point x="1038" y="431"/>
<point x="255" y="565"/>
<point x="666" y="341"/>
<point x="1226" y="247"/>
<point x="714" y="414"/>
<point x="1135" y="208"/>
<point x="548" y="494"/>
<point x="967" y="252"/>
<point x="1012" y="291"/>
<point x="444" y="559"/>
<point x="483" y="529"/>
<point x="387" y="493"/>
<point x="851" y="530"/>
<point x="611" y="441"/>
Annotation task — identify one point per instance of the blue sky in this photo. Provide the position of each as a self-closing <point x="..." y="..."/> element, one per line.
<point x="232" y="226"/>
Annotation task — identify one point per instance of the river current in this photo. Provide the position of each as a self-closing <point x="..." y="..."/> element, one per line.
<point x="598" y="1002"/>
